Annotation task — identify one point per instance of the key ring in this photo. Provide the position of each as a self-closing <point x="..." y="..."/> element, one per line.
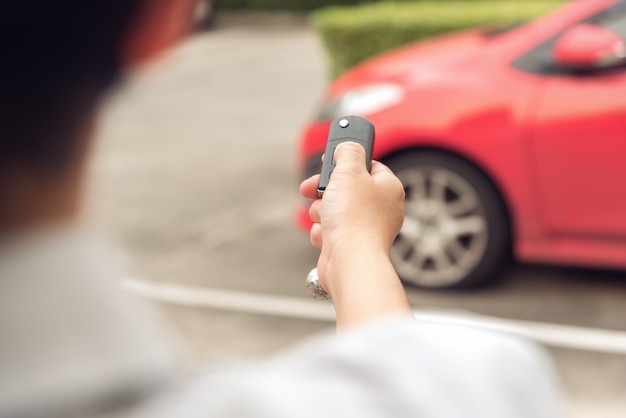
<point x="314" y="288"/>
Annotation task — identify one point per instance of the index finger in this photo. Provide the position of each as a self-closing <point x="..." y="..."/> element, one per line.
<point x="308" y="188"/>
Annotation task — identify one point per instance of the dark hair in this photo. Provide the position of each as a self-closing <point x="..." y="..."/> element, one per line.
<point x="57" y="58"/>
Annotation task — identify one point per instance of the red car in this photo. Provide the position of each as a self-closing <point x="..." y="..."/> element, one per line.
<point x="509" y="143"/>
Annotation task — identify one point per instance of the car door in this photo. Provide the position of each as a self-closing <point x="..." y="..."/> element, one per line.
<point x="578" y="146"/>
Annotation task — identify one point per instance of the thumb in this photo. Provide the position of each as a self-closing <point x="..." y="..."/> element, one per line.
<point x="351" y="156"/>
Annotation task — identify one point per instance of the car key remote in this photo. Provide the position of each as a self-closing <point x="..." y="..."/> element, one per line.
<point x="347" y="128"/>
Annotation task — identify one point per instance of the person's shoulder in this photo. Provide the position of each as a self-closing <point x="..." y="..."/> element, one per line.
<point x="394" y="367"/>
<point x="445" y="333"/>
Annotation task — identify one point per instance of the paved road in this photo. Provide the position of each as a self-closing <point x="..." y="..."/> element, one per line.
<point x="194" y="178"/>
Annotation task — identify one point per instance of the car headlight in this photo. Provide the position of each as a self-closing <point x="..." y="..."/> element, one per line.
<point x="362" y="101"/>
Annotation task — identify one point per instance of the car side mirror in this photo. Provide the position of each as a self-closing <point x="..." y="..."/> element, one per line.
<point x="589" y="47"/>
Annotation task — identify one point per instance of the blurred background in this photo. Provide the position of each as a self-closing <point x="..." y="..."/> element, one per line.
<point x="200" y="156"/>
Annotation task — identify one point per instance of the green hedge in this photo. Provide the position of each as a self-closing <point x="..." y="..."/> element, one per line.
<point x="294" y="5"/>
<point x="299" y="5"/>
<point x="352" y="34"/>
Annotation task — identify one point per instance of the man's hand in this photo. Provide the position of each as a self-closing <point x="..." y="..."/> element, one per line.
<point x="354" y="227"/>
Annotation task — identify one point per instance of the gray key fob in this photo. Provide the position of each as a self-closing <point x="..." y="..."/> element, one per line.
<point x="347" y="128"/>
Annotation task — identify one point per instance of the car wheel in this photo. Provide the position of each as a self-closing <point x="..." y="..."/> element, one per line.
<point x="456" y="232"/>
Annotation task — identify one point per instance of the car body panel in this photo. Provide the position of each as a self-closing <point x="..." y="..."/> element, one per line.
<point x="581" y="121"/>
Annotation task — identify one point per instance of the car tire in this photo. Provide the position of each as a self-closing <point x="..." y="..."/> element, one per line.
<point x="456" y="232"/>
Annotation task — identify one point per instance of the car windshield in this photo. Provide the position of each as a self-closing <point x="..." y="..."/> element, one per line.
<point x="613" y="19"/>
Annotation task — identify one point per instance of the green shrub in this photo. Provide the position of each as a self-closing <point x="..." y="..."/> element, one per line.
<point x="299" y="5"/>
<point x="294" y="5"/>
<point x="352" y="34"/>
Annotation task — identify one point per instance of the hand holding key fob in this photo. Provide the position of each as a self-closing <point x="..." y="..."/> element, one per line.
<point x="347" y="128"/>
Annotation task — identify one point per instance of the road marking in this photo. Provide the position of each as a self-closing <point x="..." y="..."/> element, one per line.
<point x="203" y="297"/>
<point x="554" y="335"/>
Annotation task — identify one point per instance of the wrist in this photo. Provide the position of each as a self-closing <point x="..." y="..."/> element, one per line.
<point x="348" y="245"/>
<point x="357" y="269"/>
<point x="363" y="285"/>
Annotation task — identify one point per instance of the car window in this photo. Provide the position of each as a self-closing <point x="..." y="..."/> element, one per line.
<point x="539" y="60"/>
<point x="613" y="18"/>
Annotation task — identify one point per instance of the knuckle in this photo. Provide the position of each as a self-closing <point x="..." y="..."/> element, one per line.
<point x="351" y="171"/>
<point x="314" y="210"/>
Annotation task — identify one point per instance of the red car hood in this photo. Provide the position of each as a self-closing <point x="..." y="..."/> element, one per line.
<point x="433" y="56"/>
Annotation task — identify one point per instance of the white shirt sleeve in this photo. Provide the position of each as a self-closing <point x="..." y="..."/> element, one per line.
<point x="393" y="368"/>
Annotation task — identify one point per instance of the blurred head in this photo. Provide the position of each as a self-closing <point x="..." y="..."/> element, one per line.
<point x="59" y="57"/>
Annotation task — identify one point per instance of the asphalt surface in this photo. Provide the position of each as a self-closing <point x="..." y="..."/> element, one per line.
<point x="194" y="178"/>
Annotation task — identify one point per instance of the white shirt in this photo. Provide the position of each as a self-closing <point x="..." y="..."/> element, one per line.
<point x="72" y="344"/>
